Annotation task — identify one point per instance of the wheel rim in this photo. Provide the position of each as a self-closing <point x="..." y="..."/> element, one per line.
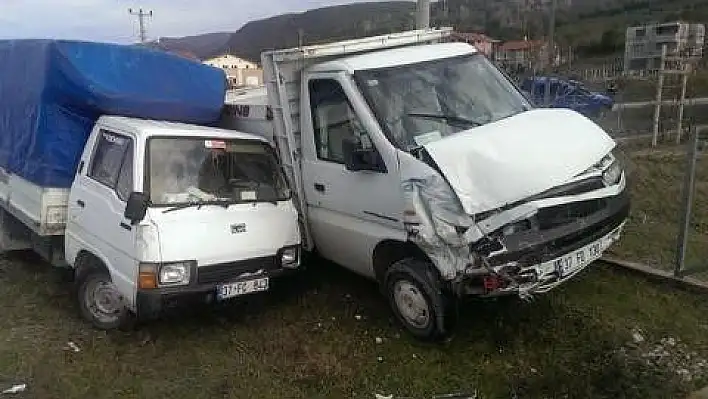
<point x="411" y="304"/>
<point x="103" y="301"/>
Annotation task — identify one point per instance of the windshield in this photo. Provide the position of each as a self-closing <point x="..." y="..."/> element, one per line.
<point x="198" y="170"/>
<point x="424" y="102"/>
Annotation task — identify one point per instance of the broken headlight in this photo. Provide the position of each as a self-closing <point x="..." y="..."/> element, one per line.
<point x="612" y="174"/>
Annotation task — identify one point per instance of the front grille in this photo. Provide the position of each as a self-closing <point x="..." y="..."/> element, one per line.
<point x="575" y="188"/>
<point x="534" y="247"/>
<point x="559" y="215"/>
<point x="226" y="272"/>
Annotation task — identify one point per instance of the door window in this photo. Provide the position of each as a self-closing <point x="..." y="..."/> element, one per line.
<point x="334" y="120"/>
<point x="113" y="162"/>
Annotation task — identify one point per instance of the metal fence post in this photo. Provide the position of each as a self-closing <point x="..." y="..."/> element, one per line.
<point x="688" y="190"/>
<point x="682" y="102"/>
<point x="659" y="88"/>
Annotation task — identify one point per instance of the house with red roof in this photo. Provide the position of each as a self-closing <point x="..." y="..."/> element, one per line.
<point x="531" y="54"/>
<point x="480" y="41"/>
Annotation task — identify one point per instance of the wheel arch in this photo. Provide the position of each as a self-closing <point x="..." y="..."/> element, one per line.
<point x="87" y="261"/>
<point x="388" y="252"/>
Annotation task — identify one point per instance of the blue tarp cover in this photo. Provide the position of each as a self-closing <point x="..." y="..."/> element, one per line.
<point x="52" y="92"/>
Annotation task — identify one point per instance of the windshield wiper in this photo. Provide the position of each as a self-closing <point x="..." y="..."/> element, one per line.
<point x="449" y="118"/>
<point x="183" y="206"/>
<point x="224" y="203"/>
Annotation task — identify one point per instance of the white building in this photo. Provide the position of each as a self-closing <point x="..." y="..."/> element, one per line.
<point x="644" y="44"/>
<point x="239" y="72"/>
<point x="228" y="61"/>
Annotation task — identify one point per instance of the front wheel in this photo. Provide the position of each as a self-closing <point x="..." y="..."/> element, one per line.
<point x="416" y="299"/>
<point x="100" y="302"/>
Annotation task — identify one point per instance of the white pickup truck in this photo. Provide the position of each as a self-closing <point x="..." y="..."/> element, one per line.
<point x="146" y="213"/>
<point x="417" y="163"/>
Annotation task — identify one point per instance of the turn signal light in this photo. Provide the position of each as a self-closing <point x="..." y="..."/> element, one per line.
<point x="147" y="278"/>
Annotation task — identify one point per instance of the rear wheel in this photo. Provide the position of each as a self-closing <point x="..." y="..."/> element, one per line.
<point x="100" y="302"/>
<point x="415" y="297"/>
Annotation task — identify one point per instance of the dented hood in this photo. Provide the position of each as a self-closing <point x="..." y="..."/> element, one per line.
<point x="517" y="157"/>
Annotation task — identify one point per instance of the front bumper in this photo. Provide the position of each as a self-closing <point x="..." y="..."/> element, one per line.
<point x="527" y="265"/>
<point x="150" y="304"/>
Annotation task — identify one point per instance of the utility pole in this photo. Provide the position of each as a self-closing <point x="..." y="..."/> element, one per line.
<point x="300" y="37"/>
<point x="423" y="14"/>
<point x="141" y="20"/>
<point x="551" y="47"/>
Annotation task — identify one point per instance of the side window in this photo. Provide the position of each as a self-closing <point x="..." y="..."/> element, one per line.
<point x="334" y="120"/>
<point x="124" y="186"/>
<point x="108" y="158"/>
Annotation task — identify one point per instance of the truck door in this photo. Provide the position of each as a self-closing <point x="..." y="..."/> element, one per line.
<point x="349" y="211"/>
<point x="97" y="203"/>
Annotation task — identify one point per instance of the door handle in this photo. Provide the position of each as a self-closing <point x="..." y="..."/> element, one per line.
<point x="81" y="203"/>
<point x="320" y="187"/>
<point x="126" y="226"/>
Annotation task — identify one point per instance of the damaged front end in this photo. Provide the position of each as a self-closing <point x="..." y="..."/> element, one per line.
<point x="523" y="248"/>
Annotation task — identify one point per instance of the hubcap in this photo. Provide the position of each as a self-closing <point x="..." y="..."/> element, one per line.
<point x="411" y="304"/>
<point x="103" y="301"/>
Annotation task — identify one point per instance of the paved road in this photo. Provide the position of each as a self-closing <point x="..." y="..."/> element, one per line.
<point x="642" y="104"/>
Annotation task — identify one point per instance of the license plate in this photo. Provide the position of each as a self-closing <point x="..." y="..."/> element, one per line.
<point x="239" y="288"/>
<point x="578" y="259"/>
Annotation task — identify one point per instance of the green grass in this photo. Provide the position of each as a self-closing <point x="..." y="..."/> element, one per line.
<point x="303" y="341"/>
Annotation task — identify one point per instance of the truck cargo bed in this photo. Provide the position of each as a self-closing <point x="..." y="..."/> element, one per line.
<point x="42" y="209"/>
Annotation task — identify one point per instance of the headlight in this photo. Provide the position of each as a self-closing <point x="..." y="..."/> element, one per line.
<point x="175" y="273"/>
<point x="290" y="257"/>
<point x="613" y="173"/>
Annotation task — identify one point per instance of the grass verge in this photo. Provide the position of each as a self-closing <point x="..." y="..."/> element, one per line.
<point x="315" y="336"/>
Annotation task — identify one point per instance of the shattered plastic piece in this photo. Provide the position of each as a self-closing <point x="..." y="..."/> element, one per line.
<point x="358" y="317"/>
<point x="380" y="359"/>
<point x="379" y="340"/>
<point x="72" y="346"/>
<point x="637" y="337"/>
<point x="383" y="396"/>
<point x="15" y="389"/>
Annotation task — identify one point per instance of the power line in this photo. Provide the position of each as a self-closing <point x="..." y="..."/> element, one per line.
<point x="141" y="20"/>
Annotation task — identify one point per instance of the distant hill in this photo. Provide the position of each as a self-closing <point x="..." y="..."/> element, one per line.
<point x="330" y="23"/>
<point x="592" y="26"/>
<point x="202" y="46"/>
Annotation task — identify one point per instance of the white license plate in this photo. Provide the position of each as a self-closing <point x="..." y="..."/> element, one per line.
<point x="239" y="288"/>
<point x="578" y="259"/>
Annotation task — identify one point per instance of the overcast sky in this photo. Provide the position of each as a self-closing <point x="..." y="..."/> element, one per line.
<point x="108" y="20"/>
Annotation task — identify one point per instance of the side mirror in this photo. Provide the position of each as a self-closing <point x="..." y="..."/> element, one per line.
<point x="357" y="158"/>
<point x="136" y="207"/>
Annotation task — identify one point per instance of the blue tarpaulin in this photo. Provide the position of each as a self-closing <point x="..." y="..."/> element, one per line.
<point x="52" y="92"/>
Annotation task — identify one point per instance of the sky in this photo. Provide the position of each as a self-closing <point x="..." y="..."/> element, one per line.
<point x="110" y="21"/>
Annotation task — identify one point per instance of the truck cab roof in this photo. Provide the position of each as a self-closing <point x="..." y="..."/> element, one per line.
<point x="144" y="128"/>
<point x="395" y="57"/>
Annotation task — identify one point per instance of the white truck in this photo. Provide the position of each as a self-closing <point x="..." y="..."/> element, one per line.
<point x="417" y="163"/>
<point x="146" y="213"/>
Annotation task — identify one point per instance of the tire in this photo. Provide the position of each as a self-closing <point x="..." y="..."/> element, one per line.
<point x="99" y="301"/>
<point x="416" y="299"/>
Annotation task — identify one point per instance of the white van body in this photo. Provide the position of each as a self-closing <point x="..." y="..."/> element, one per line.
<point x="515" y="204"/>
<point x="210" y="249"/>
